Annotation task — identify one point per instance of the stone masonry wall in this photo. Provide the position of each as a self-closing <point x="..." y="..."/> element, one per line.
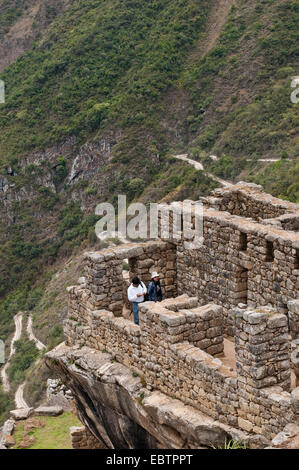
<point x="240" y="261"/>
<point x="293" y="317"/>
<point x="101" y="329"/>
<point x="241" y="267"/>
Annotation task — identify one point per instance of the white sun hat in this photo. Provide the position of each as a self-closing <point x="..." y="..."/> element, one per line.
<point x="155" y="274"/>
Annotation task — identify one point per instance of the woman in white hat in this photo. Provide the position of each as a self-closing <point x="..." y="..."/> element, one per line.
<point x="154" y="289"/>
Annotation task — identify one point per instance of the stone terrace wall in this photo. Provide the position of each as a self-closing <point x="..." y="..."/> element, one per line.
<point x="249" y="200"/>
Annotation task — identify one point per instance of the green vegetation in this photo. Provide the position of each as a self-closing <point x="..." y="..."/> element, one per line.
<point x="10" y="11"/>
<point x="282" y="177"/>
<point x="178" y="181"/>
<point x="108" y="65"/>
<point x="259" y="120"/>
<point x="55" y="434"/>
<point x="20" y="299"/>
<point x="36" y="383"/>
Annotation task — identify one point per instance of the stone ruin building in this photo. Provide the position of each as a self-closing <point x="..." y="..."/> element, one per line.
<point x="217" y="359"/>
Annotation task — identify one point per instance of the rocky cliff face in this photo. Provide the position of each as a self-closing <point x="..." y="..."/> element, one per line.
<point x="114" y="404"/>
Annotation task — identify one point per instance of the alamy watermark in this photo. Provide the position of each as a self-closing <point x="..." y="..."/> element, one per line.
<point x="295" y="93"/>
<point x="176" y="221"/>
<point x="2" y="92"/>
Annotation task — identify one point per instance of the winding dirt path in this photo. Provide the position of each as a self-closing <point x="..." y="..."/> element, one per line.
<point x="18" y="319"/>
<point x="199" y="166"/>
<point x="19" y="396"/>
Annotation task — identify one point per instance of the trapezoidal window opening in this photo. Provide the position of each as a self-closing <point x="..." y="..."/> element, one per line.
<point x="297" y="259"/>
<point x="243" y="241"/>
<point x="270" y="252"/>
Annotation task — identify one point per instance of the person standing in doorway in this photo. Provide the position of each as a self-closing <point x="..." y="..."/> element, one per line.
<point x="136" y="293"/>
<point x="154" y="288"/>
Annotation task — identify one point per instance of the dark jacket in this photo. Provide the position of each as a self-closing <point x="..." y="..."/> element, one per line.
<point x="154" y="291"/>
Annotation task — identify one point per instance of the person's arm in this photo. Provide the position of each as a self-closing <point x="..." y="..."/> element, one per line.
<point x="132" y="295"/>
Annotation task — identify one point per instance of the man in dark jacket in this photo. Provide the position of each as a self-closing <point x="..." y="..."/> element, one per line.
<point x="154" y="289"/>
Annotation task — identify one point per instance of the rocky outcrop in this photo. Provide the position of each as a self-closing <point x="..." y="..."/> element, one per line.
<point x="6" y="433"/>
<point x="115" y="405"/>
<point x="287" y="439"/>
<point x="38" y="170"/>
<point x="34" y="21"/>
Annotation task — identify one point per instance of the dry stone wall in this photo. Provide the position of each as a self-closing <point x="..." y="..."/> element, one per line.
<point x="264" y="376"/>
<point x="165" y="351"/>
